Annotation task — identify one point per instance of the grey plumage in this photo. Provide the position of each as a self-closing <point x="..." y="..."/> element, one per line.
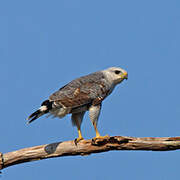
<point x="82" y="90"/>
<point x="82" y="94"/>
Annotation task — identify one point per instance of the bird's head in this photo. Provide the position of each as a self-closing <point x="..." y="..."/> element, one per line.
<point x="116" y="74"/>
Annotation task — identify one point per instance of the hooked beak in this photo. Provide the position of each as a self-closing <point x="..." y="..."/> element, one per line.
<point x="125" y="75"/>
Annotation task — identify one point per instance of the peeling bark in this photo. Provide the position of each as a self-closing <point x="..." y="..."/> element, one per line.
<point x="87" y="147"/>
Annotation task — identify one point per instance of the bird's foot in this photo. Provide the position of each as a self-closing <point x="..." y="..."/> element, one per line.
<point x="101" y="137"/>
<point x="78" y="140"/>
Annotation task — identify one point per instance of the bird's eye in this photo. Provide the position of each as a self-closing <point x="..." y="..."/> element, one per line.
<point x="117" y="72"/>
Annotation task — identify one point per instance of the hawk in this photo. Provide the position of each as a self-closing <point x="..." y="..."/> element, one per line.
<point x="80" y="95"/>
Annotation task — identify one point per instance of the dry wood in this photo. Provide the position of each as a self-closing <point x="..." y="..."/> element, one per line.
<point x="86" y="147"/>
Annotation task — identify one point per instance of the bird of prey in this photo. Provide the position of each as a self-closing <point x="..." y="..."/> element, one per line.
<point x="80" y="95"/>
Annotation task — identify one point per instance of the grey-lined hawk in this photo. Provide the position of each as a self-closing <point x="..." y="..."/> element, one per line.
<point x="80" y="95"/>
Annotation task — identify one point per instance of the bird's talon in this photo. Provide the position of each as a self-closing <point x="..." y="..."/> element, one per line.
<point x="100" y="137"/>
<point x="78" y="140"/>
<point x="106" y="136"/>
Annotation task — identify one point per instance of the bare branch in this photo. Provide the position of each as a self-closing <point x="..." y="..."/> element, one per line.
<point x="86" y="147"/>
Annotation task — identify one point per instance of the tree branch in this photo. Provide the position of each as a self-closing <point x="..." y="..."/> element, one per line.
<point x="86" y="147"/>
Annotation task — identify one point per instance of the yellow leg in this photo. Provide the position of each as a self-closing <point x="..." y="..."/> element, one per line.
<point x="79" y="133"/>
<point x="98" y="136"/>
<point x="97" y="132"/>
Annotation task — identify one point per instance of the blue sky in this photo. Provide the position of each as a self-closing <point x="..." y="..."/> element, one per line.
<point x="45" y="44"/>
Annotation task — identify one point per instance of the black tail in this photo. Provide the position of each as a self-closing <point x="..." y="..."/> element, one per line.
<point x="45" y="107"/>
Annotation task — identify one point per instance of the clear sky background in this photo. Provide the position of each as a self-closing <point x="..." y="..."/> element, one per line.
<point x="45" y="44"/>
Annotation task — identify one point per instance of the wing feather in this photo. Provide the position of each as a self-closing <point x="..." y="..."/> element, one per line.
<point x="82" y="91"/>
